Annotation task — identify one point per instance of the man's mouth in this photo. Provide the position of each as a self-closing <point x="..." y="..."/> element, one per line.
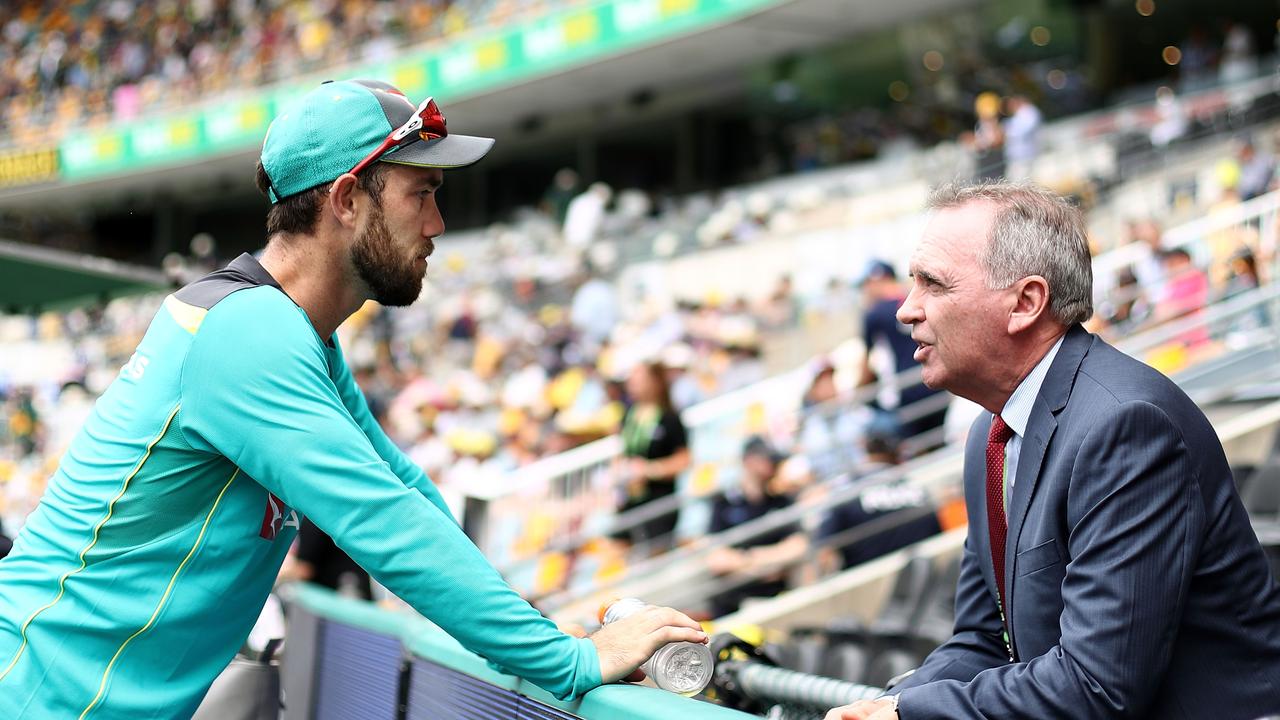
<point x="922" y="349"/>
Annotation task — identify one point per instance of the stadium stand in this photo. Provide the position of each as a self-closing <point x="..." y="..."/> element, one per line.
<point x="69" y="65"/>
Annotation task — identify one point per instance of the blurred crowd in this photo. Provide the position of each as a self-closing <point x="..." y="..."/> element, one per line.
<point x="529" y="349"/>
<point x="1163" y="283"/>
<point x="70" y="64"/>
<point x="483" y="376"/>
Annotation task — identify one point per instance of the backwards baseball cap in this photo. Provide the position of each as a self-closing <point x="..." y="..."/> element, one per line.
<point x="876" y="270"/>
<point x="343" y="125"/>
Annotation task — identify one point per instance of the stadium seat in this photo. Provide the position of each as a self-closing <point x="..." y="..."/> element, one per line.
<point x="890" y="664"/>
<point x="911" y="592"/>
<point x="846" y="661"/>
<point x="1261" y="498"/>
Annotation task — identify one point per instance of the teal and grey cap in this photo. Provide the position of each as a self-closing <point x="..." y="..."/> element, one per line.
<point x="331" y="129"/>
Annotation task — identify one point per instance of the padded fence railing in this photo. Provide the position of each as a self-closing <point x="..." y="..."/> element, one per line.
<point x="351" y="660"/>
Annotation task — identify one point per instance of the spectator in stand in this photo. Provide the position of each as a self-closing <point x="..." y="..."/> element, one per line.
<point x="830" y="429"/>
<point x="908" y="515"/>
<point x="594" y="311"/>
<point x="1148" y="267"/>
<point x="1171" y="119"/>
<point x="1243" y="278"/>
<point x="753" y="498"/>
<point x="1126" y="307"/>
<point x="987" y="138"/>
<point x="655" y="450"/>
<point x="585" y="216"/>
<point x="24" y="422"/>
<point x="882" y="295"/>
<point x="1257" y="171"/>
<point x="1188" y="293"/>
<point x="780" y="309"/>
<point x="564" y="188"/>
<point x="685" y="391"/>
<point x="1021" y="138"/>
<point x="1238" y="59"/>
<point x="1198" y="61"/>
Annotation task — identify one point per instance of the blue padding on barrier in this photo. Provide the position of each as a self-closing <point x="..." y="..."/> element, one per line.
<point x="357" y="674"/>
<point x="436" y="692"/>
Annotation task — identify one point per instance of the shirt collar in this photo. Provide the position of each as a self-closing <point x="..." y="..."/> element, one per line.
<point x="1017" y="411"/>
<point x="248" y="266"/>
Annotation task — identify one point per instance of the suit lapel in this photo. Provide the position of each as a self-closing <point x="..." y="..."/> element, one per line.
<point x="1039" y="432"/>
<point x="1054" y="392"/>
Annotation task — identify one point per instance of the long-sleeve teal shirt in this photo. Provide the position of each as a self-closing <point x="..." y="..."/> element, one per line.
<point x="160" y="535"/>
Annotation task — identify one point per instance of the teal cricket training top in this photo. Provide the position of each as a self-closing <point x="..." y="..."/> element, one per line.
<point x="159" y="537"/>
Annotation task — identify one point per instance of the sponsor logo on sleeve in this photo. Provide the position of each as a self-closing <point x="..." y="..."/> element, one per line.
<point x="277" y="517"/>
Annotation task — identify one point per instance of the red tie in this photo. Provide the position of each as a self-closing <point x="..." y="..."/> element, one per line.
<point x="996" y="524"/>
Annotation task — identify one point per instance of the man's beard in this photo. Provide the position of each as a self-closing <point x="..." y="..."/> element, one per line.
<point x="391" y="280"/>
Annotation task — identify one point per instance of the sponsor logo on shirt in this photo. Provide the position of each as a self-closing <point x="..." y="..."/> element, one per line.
<point x="277" y="517"/>
<point x="136" y="367"/>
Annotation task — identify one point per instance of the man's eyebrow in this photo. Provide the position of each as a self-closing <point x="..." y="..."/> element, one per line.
<point x="926" y="276"/>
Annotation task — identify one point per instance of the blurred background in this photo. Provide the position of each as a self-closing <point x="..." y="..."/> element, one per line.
<point x="680" y="261"/>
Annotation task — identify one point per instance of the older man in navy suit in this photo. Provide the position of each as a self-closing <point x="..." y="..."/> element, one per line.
<point x="1110" y="569"/>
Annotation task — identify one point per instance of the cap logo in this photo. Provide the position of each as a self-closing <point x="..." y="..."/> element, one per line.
<point x="397" y="93"/>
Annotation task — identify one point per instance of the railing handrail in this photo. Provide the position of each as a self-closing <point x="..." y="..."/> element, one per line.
<point x="928" y="471"/>
<point x="1189" y="232"/>
<point x="1170" y="330"/>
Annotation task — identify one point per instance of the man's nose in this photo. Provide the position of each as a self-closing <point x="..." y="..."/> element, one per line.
<point x="435" y="226"/>
<point x="910" y="313"/>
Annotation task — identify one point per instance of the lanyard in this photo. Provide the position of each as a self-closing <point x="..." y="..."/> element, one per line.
<point x="637" y="430"/>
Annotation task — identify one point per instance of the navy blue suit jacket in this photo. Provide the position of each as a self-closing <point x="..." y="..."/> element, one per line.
<point x="1136" y="586"/>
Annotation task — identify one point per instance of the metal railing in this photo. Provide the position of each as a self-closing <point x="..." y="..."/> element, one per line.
<point x="1258" y="215"/>
<point x="570" y="499"/>
<point x="792" y="695"/>
<point x="682" y="578"/>
<point x="560" y="502"/>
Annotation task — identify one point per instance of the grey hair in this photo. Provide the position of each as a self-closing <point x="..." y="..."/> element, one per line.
<point x="1035" y="232"/>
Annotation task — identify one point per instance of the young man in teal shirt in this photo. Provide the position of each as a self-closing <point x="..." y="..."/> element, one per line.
<point x="160" y="534"/>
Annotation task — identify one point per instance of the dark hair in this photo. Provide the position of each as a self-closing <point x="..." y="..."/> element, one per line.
<point x="657" y="373"/>
<point x="878" y="443"/>
<point x="298" y="213"/>
<point x="760" y="447"/>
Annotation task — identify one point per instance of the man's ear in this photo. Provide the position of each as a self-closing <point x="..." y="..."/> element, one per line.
<point x="1031" y="302"/>
<point x="342" y="200"/>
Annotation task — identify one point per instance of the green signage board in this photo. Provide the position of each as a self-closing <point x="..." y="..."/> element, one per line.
<point x="450" y="71"/>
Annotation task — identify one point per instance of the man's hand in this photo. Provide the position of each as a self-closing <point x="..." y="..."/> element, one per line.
<point x="864" y="710"/>
<point x="624" y="645"/>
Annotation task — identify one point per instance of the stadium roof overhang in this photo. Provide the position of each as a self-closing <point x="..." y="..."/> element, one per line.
<point x="39" y="278"/>
<point x="693" y="70"/>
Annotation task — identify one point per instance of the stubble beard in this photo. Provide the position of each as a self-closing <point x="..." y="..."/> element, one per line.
<point x="390" y="280"/>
